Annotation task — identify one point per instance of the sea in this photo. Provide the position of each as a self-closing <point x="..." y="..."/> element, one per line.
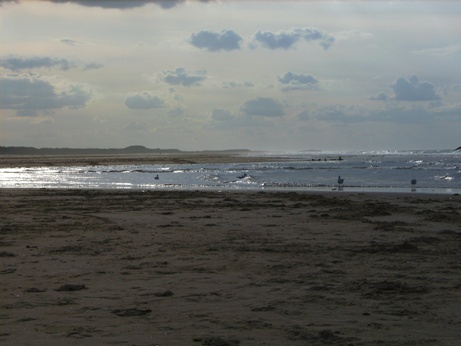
<point x="435" y="171"/>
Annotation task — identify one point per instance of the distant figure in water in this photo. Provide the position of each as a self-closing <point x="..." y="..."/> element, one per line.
<point x="156" y="177"/>
<point x="242" y="176"/>
<point x="340" y="181"/>
<point x="413" y="183"/>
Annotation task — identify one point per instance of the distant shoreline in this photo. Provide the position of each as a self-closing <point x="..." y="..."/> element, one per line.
<point x="137" y="154"/>
<point x="178" y="157"/>
<point x="134" y="149"/>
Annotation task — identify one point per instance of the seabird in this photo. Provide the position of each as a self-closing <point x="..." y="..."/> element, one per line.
<point x="156" y="177"/>
<point x="340" y="181"/>
<point x="413" y="182"/>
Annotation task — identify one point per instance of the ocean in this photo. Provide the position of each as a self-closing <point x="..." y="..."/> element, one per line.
<point x="435" y="171"/>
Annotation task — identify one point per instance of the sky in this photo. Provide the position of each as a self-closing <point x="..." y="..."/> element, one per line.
<point x="213" y="75"/>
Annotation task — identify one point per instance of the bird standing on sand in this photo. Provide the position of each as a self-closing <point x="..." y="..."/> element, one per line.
<point x="413" y="182"/>
<point x="340" y="181"/>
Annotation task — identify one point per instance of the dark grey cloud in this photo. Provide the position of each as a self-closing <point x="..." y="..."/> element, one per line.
<point x="233" y="84"/>
<point x="263" y="106"/>
<point x="216" y="41"/>
<point x="144" y="100"/>
<point x="181" y="77"/>
<point x="69" y="41"/>
<point x="92" y="66"/>
<point x="270" y="40"/>
<point x="292" y="81"/>
<point x="14" y="63"/>
<point x="287" y="39"/>
<point x="126" y="4"/>
<point x="120" y="4"/>
<point x="412" y="89"/>
<point x="29" y="95"/>
<point x="20" y="63"/>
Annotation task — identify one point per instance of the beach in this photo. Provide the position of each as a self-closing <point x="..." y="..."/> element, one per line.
<point x="172" y="267"/>
<point x="133" y="267"/>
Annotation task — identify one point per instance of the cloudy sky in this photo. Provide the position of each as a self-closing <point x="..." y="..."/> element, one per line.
<point x="263" y="75"/>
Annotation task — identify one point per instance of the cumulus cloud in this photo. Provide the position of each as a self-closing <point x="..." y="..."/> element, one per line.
<point x="287" y="39"/>
<point x="412" y="89"/>
<point x="292" y="81"/>
<point x="263" y="106"/>
<point x="30" y="94"/>
<point x="144" y="100"/>
<point x="27" y="63"/>
<point x="181" y="77"/>
<point x="216" y="41"/>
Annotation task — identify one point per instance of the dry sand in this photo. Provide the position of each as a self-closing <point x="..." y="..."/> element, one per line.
<point x="107" y="267"/>
<point x="110" y="267"/>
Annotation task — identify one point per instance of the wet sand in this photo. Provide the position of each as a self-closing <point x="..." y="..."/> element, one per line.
<point x="106" y="267"/>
